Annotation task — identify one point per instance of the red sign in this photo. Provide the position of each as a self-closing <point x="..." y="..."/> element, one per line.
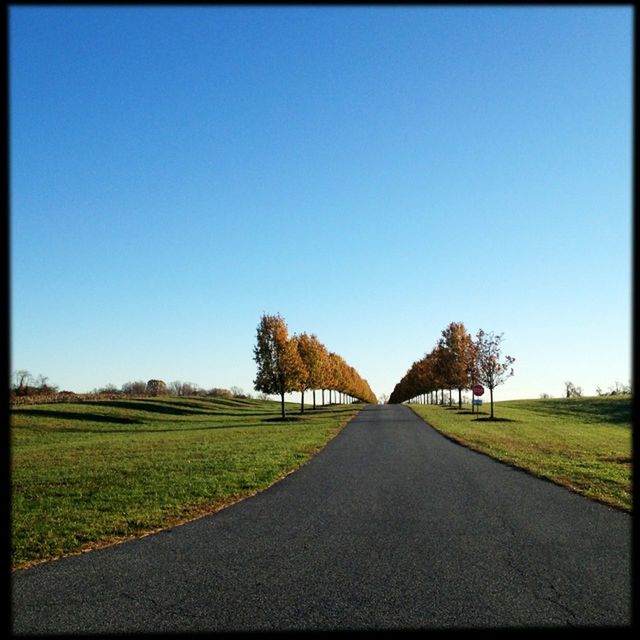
<point x="478" y="389"/>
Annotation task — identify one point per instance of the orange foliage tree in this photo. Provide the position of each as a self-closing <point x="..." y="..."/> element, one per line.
<point x="458" y="354"/>
<point x="280" y="367"/>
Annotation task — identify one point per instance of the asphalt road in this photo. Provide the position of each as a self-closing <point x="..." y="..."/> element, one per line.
<point x="390" y="526"/>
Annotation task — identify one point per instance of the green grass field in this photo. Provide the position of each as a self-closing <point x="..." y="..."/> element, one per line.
<point x="87" y="474"/>
<point x="584" y="444"/>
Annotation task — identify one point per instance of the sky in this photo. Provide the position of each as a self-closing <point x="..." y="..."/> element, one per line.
<point x="371" y="174"/>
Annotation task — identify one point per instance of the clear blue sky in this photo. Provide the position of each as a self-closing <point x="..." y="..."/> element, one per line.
<point x="370" y="173"/>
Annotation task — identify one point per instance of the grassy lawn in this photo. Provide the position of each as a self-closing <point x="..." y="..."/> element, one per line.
<point x="87" y="474"/>
<point x="584" y="444"/>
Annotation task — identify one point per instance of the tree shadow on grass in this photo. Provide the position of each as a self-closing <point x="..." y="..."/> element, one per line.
<point x="281" y="419"/>
<point x="69" y="415"/>
<point x="177" y="408"/>
<point x="142" y="405"/>
<point x="235" y="414"/>
<point x="177" y="429"/>
<point x="495" y="419"/>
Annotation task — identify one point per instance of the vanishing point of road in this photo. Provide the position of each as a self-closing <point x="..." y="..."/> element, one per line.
<point x="390" y="526"/>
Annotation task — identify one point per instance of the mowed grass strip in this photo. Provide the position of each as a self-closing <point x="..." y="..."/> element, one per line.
<point x="88" y="474"/>
<point x="583" y="444"/>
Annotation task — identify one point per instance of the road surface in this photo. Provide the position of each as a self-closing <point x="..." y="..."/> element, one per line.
<point x="390" y="526"/>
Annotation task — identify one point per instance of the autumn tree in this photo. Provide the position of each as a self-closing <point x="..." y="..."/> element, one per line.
<point x="314" y="356"/>
<point x="458" y="353"/>
<point x="491" y="372"/>
<point x="320" y="370"/>
<point x="276" y="355"/>
<point x="334" y="378"/>
<point x="439" y="368"/>
<point x="301" y="383"/>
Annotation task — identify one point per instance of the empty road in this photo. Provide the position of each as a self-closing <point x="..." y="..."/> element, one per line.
<point x="390" y="526"/>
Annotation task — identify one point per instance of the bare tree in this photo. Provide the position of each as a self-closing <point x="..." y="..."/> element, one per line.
<point x="108" y="388"/>
<point x="190" y="389"/>
<point x="22" y="379"/>
<point x="620" y="389"/>
<point x="135" y="388"/>
<point x="178" y="388"/>
<point x="571" y="391"/>
<point x="175" y="388"/>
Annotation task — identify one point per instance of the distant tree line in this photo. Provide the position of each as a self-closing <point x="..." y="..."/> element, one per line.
<point x="457" y="362"/>
<point x="573" y="391"/>
<point x="29" y="389"/>
<point x="302" y="363"/>
<point x="25" y="384"/>
<point x="616" y="390"/>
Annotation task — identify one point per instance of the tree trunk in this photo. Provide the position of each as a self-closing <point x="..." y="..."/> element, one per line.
<point x="491" y="393"/>
<point x="450" y="397"/>
<point x="282" y="403"/>
<point x="302" y="402"/>
<point x="314" y="398"/>
<point x="459" y="398"/>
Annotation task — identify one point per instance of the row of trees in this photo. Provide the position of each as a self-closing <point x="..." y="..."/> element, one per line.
<point x="456" y="362"/>
<point x="302" y="363"/>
